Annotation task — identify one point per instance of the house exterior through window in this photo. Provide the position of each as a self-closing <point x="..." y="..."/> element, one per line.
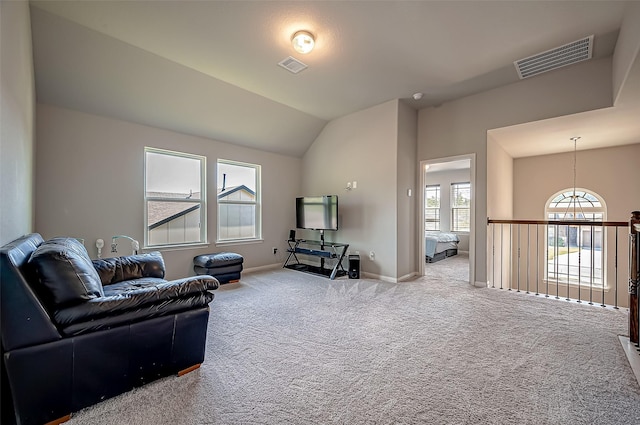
<point x="175" y="198"/>
<point x="461" y="207"/>
<point x="575" y="253"/>
<point x="432" y="207"/>
<point x="238" y="196"/>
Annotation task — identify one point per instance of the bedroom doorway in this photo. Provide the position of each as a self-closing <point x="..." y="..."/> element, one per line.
<point x="447" y="217"/>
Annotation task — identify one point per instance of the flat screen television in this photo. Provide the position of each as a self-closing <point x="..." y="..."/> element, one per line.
<point x="317" y="212"/>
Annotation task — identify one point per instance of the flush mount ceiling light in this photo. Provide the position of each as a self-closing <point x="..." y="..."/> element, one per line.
<point x="303" y="42"/>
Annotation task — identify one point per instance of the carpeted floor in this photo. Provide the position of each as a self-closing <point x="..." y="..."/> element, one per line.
<point x="454" y="268"/>
<point x="290" y="348"/>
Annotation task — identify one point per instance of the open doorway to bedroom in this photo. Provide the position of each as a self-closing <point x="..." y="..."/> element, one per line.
<point x="447" y="217"/>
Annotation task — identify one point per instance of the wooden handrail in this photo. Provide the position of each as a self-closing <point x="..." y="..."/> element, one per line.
<point x="563" y="222"/>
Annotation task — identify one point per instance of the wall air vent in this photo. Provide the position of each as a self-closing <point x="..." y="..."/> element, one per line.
<point x="568" y="54"/>
<point x="292" y="64"/>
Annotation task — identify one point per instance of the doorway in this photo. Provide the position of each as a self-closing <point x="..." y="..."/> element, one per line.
<point x="447" y="211"/>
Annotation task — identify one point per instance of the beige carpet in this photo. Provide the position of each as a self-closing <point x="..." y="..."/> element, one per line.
<point x="453" y="269"/>
<point x="285" y="347"/>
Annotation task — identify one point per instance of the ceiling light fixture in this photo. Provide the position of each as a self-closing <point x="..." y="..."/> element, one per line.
<point x="417" y="96"/>
<point x="303" y="42"/>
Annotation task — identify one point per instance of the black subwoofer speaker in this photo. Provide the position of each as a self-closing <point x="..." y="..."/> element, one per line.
<point x="354" y="267"/>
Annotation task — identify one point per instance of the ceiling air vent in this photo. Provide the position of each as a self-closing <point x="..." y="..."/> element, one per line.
<point x="292" y="65"/>
<point x="568" y="54"/>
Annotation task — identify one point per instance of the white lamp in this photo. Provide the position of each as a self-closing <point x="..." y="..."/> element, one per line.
<point x="303" y="42"/>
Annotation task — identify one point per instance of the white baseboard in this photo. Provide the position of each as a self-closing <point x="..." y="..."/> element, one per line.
<point x="379" y="277"/>
<point x="406" y="277"/>
<point x="632" y="355"/>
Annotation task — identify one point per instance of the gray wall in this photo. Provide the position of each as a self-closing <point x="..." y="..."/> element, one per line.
<point x="460" y="127"/>
<point x="500" y="180"/>
<point x="611" y="173"/>
<point x="407" y="223"/>
<point x="17" y="121"/>
<point x="360" y="147"/>
<point x="89" y="184"/>
<point x="625" y="54"/>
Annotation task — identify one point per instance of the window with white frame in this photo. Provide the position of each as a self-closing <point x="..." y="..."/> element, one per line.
<point x="575" y="253"/>
<point x="174" y="198"/>
<point x="432" y="207"/>
<point x="460" y="207"/>
<point x="238" y="195"/>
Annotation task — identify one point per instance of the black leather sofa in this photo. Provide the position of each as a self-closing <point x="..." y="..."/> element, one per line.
<point x="77" y="331"/>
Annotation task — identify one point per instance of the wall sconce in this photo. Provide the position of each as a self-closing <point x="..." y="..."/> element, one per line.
<point x="303" y="42"/>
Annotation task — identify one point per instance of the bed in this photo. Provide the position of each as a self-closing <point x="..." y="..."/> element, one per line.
<point x="440" y="245"/>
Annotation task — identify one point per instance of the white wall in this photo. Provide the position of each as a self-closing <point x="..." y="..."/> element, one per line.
<point x="89" y="184"/>
<point x="360" y="147"/>
<point x="16" y="121"/>
<point x="460" y="127"/>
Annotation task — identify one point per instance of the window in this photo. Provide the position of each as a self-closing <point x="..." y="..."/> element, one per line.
<point x="432" y="207"/>
<point x="575" y="252"/>
<point x="175" y="198"/>
<point x="238" y="194"/>
<point x="461" y="207"/>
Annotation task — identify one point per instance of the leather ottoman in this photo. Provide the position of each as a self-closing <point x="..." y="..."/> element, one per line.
<point x="224" y="266"/>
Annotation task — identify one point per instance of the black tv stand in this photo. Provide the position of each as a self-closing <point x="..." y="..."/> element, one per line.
<point x="323" y="250"/>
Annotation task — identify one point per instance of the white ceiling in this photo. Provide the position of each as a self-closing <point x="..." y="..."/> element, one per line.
<point x="209" y="68"/>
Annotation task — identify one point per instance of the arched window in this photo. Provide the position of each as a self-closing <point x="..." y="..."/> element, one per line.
<point x="575" y="253"/>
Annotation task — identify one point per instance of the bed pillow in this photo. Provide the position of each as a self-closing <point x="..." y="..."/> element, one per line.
<point x="66" y="272"/>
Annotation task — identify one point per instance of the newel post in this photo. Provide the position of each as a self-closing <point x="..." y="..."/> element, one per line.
<point x="634" y="275"/>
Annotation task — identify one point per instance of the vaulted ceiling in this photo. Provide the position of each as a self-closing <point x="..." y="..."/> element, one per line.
<point x="210" y="68"/>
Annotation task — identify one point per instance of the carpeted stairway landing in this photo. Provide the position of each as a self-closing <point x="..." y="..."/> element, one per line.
<point x="286" y="347"/>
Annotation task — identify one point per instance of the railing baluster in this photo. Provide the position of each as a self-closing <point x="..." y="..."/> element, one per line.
<point x="518" y="253"/>
<point x="537" y="261"/>
<point x="510" y="254"/>
<point x="615" y="301"/>
<point x="579" y="238"/>
<point x="568" y="261"/>
<point x="555" y="263"/>
<point x="528" y="259"/>
<point x="546" y="259"/>
<point x="493" y="255"/>
<point x="591" y="269"/>
<point x="501" y="254"/>
<point x="604" y="237"/>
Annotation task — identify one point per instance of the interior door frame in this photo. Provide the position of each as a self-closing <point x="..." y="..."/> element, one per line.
<point x="421" y="205"/>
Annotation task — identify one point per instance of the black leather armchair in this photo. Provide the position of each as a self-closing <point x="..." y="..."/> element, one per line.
<point x="76" y="331"/>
